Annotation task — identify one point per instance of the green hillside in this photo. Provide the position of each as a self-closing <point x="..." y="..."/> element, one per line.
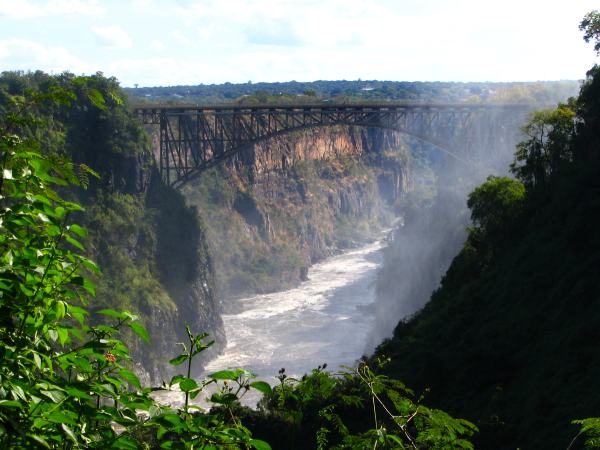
<point x="509" y="340"/>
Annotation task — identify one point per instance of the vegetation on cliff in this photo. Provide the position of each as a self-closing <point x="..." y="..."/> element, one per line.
<point x="148" y="242"/>
<point x="64" y="383"/>
<point x="508" y="340"/>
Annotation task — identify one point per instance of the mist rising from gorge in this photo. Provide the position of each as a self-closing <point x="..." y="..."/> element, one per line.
<point x="432" y="229"/>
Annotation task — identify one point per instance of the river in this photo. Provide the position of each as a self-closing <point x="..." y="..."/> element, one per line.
<point x="327" y="319"/>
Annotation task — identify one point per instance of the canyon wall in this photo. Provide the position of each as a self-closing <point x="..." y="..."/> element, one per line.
<point x="155" y="263"/>
<point x="280" y="205"/>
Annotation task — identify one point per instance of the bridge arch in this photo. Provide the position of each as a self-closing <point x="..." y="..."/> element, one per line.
<point x="188" y="176"/>
<point x="195" y="139"/>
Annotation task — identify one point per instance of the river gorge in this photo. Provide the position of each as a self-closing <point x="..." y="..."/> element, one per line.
<point x="293" y="235"/>
<point x="294" y="256"/>
<point x="326" y="319"/>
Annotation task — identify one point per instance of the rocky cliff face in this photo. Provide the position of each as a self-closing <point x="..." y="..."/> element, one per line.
<point x="187" y="273"/>
<point x="283" y="204"/>
<point x="194" y="304"/>
<point x="153" y="253"/>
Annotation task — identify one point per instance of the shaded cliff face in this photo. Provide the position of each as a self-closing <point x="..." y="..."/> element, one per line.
<point x="283" y="204"/>
<point x="185" y="270"/>
<point x="149" y="245"/>
<point x="155" y="263"/>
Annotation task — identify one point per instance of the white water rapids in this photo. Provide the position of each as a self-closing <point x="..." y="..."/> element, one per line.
<point x="327" y="319"/>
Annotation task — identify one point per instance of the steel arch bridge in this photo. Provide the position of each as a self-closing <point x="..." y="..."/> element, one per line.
<point x="193" y="139"/>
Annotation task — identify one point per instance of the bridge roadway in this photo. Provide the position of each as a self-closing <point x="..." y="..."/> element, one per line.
<point x="194" y="138"/>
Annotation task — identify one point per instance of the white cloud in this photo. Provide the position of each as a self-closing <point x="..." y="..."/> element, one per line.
<point x="157" y="45"/>
<point x="22" y="54"/>
<point x="141" y="3"/>
<point x="113" y="37"/>
<point x="26" y="9"/>
<point x="180" y="37"/>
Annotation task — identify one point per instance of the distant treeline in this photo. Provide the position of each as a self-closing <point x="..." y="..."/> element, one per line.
<point x="539" y="92"/>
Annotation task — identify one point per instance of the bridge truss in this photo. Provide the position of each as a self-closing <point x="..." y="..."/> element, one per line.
<point x="193" y="139"/>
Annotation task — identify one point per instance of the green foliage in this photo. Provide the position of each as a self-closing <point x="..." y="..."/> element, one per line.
<point x="496" y="202"/>
<point x="547" y="148"/>
<point x="264" y="97"/>
<point x="124" y="242"/>
<point x="55" y="368"/>
<point x="185" y="429"/>
<point x="590" y="25"/>
<point x="85" y="118"/>
<point x="590" y="430"/>
<point x="328" y="411"/>
<point x="542" y="93"/>
<point x="506" y="328"/>
<point x="495" y="207"/>
<point x="147" y="241"/>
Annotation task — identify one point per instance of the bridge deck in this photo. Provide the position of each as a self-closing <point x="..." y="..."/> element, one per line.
<point x="331" y="106"/>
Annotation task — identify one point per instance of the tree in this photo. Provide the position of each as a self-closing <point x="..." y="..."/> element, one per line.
<point x="548" y="146"/>
<point x="496" y="204"/>
<point x="590" y="25"/>
<point x="587" y="143"/>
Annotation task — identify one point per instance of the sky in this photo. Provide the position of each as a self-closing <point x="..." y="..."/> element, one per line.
<point x="179" y="42"/>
